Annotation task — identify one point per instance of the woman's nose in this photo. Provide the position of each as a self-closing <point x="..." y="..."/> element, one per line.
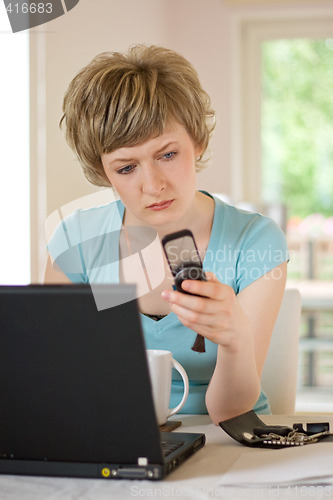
<point x="152" y="180"/>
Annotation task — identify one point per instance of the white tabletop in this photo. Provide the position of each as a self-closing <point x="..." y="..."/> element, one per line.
<point x="196" y="479"/>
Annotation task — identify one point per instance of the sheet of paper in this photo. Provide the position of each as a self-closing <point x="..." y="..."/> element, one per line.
<point x="309" y="464"/>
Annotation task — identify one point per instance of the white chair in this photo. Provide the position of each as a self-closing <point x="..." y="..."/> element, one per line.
<point x="279" y="376"/>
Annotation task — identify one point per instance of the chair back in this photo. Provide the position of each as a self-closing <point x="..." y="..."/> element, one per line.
<point x="279" y="376"/>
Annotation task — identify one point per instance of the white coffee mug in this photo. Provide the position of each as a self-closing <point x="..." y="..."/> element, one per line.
<point x="160" y="368"/>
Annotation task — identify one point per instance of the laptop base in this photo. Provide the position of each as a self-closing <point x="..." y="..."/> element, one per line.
<point x="104" y="470"/>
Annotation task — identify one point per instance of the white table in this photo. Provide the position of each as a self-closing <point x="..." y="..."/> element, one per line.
<point x="196" y="479"/>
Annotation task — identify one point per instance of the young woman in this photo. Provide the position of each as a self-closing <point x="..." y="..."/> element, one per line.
<point x="141" y="122"/>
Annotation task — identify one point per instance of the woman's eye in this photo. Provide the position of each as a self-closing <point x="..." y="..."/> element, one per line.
<point x="169" y="156"/>
<point x="125" y="170"/>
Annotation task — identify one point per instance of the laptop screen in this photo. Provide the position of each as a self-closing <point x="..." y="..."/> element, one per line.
<point x="74" y="381"/>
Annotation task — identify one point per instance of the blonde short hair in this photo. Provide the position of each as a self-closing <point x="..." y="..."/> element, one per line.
<point x="121" y="100"/>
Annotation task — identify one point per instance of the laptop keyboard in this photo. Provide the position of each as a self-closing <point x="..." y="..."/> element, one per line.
<point x="168" y="448"/>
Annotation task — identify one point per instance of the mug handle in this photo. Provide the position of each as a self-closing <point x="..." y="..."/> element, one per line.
<point x="184" y="376"/>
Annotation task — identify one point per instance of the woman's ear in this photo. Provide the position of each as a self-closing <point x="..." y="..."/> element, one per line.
<point x="198" y="152"/>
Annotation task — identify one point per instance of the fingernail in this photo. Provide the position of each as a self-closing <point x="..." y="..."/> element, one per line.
<point x="166" y="294"/>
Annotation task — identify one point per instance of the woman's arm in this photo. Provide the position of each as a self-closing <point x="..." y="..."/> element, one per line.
<point x="241" y="326"/>
<point x="54" y="275"/>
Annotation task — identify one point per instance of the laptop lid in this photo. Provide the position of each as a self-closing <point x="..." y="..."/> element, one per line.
<point x="74" y="380"/>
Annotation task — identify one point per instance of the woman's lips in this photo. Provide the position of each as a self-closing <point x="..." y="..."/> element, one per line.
<point x="160" y="206"/>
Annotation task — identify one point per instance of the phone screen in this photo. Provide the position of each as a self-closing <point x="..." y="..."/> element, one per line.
<point x="181" y="250"/>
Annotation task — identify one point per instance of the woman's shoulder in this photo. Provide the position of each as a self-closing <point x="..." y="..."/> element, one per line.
<point x="243" y="229"/>
<point x="247" y="244"/>
<point x="97" y="214"/>
<point x="236" y="218"/>
<point x="85" y="223"/>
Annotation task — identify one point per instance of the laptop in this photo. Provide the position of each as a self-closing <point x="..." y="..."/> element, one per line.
<point x="75" y="393"/>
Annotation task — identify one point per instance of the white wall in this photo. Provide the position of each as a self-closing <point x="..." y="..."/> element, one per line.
<point x="199" y="29"/>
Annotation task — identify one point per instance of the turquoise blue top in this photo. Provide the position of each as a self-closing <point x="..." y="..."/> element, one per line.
<point x="243" y="247"/>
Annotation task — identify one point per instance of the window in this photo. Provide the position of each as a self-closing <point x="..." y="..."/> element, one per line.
<point x="14" y="127"/>
<point x="296" y="146"/>
<point x="251" y="35"/>
<point x="297" y="124"/>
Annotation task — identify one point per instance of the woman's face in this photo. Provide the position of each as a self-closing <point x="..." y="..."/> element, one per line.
<point x="156" y="180"/>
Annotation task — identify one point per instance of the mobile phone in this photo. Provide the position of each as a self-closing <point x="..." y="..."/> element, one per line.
<point x="184" y="261"/>
<point x="183" y="257"/>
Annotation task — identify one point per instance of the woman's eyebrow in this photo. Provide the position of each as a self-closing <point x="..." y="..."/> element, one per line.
<point x="121" y="160"/>
<point x="166" y="146"/>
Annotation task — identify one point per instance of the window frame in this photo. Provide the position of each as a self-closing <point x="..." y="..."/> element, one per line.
<point x="38" y="201"/>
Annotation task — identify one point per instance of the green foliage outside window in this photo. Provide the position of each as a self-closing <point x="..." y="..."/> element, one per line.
<point x="297" y="125"/>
